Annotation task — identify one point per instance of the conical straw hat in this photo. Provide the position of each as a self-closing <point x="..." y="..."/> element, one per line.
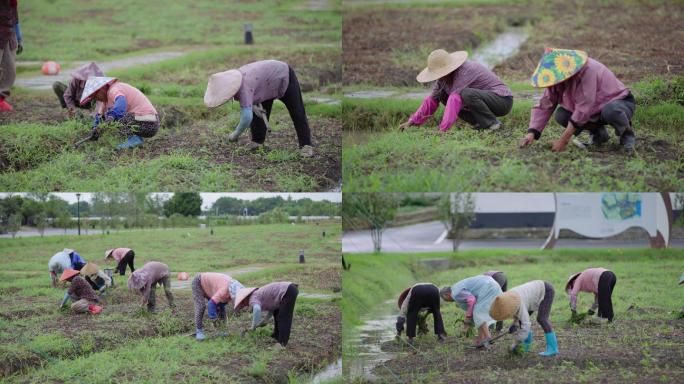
<point x="441" y="63"/>
<point x="222" y="87"/>
<point x="93" y="84"/>
<point x="242" y="294"/>
<point x="68" y="274"/>
<point x="505" y="306"/>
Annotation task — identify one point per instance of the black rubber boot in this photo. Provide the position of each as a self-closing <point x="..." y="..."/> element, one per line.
<point x="597" y="137"/>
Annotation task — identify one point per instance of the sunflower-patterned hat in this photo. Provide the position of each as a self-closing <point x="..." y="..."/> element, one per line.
<point x="557" y="65"/>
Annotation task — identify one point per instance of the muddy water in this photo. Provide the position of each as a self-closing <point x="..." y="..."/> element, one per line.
<point x="45" y="82"/>
<point x="330" y="372"/>
<point x="504" y="46"/>
<point x="377" y="328"/>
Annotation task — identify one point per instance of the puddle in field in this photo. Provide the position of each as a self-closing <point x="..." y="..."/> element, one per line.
<point x="367" y="342"/>
<point x="501" y="48"/>
<point x="325" y="100"/>
<point x="332" y="371"/>
<point x="178" y="284"/>
<point x="43" y="82"/>
<point x="318" y="295"/>
<point x="369" y="94"/>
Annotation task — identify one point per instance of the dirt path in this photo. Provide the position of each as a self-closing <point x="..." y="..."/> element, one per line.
<point x="45" y="82"/>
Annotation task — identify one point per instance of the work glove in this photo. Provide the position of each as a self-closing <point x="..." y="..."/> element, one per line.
<point x="577" y="318"/>
<point x="20" y="48"/>
<point x="64" y="300"/>
<point x="516" y="349"/>
<point x="512" y="329"/>
<point x="95" y="133"/>
<point x="400" y="325"/>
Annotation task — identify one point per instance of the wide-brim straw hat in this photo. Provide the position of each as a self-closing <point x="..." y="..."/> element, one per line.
<point x="557" y="65"/>
<point x="90" y="269"/>
<point x="402" y="297"/>
<point x="93" y="84"/>
<point x="108" y="253"/>
<point x="242" y="294"/>
<point x="571" y="282"/>
<point x="68" y="274"/>
<point x="505" y="306"/>
<point x="222" y="87"/>
<point x="441" y="63"/>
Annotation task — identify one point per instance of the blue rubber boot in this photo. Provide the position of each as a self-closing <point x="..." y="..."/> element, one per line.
<point x="132" y="142"/>
<point x="551" y="345"/>
<point x="527" y="343"/>
<point x="199" y="335"/>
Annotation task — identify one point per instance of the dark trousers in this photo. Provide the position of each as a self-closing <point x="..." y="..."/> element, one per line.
<point x="501" y="279"/>
<point x="152" y="300"/>
<point x="127" y="260"/>
<point x="423" y="296"/>
<point x="481" y="108"/>
<point x="545" y="308"/>
<point x="617" y="113"/>
<point x="605" y="293"/>
<point x="96" y="283"/>
<point x="295" y="106"/>
<point x="282" y="317"/>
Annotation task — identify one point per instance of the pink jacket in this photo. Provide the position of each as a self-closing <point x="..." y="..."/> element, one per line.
<point x="587" y="281"/>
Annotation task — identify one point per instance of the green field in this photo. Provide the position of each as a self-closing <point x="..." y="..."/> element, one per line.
<point x="123" y="344"/>
<point x="377" y="156"/>
<point x="191" y="150"/>
<point x="644" y="344"/>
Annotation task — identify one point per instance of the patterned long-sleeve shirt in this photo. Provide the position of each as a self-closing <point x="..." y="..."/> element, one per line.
<point x="80" y="289"/>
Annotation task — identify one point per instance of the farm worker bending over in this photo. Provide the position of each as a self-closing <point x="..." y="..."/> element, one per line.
<point x="97" y="279"/>
<point x="67" y="259"/>
<point x="519" y="303"/>
<point x="144" y="282"/>
<point x="278" y="298"/>
<point x="85" y="299"/>
<point x="500" y="279"/>
<point x="475" y="295"/>
<point x="213" y="291"/>
<point x="124" y="104"/>
<point x="123" y="257"/>
<point x="69" y="96"/>
<point x="588" y="96"/>
<point x="256" y="85"/>
<point x="415" y="303"/>
<point x="10" y="46"/>
<point x="468" y="90"/>
<point x="598" y="281"/>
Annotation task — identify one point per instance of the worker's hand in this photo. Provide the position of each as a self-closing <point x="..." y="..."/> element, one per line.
<point x="527" y="140"/>
<point x="512" y="329"/>
<point x="558" y="145"/>
<point x="404" y="125"/>
<point x="233" y="137"/>
<point x="516" y="349"/>
<point x="20" y="48"/>
<point x="95" y="133"/>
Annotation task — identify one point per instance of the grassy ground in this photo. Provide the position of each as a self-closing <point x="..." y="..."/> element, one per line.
<point x="644" y="344"/>
<point x="42" y="344"/>
<point x="191" y="150"/>
<point x="379" y="157"/>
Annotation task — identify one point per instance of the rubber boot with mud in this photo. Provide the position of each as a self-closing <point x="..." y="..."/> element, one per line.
<point x="132" y="142"/>
<point x="5" y="106"/>
<point x="551" y="345"/>
<point x="199" y="335"/>
<point x="495" y="126"/>
<point x="306" y="151"/>
<point x="627" y="140"/>
<point x="527" y="343"/>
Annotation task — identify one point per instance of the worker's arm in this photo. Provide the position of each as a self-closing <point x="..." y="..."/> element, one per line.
<point x="211" y="309"/>
<point x="246" y="115"/>
<point x="118" y="110"/>
<point x="426" y="109"/>
<point x="560" y="144"/>
<point x="64" y="299"/>
<point x="453" y="108"/>
<point x="256" y="315"/>
<point x="20" y="38"/>
<point x="469" y="300"/>
<point x="573" y="296"/>
<point x="594" y="305"/>
<point x="53" y="278"/>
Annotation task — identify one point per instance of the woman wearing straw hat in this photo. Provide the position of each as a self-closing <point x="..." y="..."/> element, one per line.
<point x="415" y="303"/>
<point x="468" y="90"/>
<point x="97" y="279"/>
<point x="278" y="298"/>
<point x="124" y="257"/>
<point x="212" y="291"/>
<point x="475" y="295"/>
<point x="144" y="282"/>
<point x="69" y="96"/>
<point x="519" y="303"/>
<point x="598" y="281"/>
<point x="588" y="96"/>
<point x="256" y="85"/>
<point x="124" y="104"/>
<point x="85" y="299"/>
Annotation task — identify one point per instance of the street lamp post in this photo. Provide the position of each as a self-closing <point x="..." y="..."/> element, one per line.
<point x="78" y="212"/>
